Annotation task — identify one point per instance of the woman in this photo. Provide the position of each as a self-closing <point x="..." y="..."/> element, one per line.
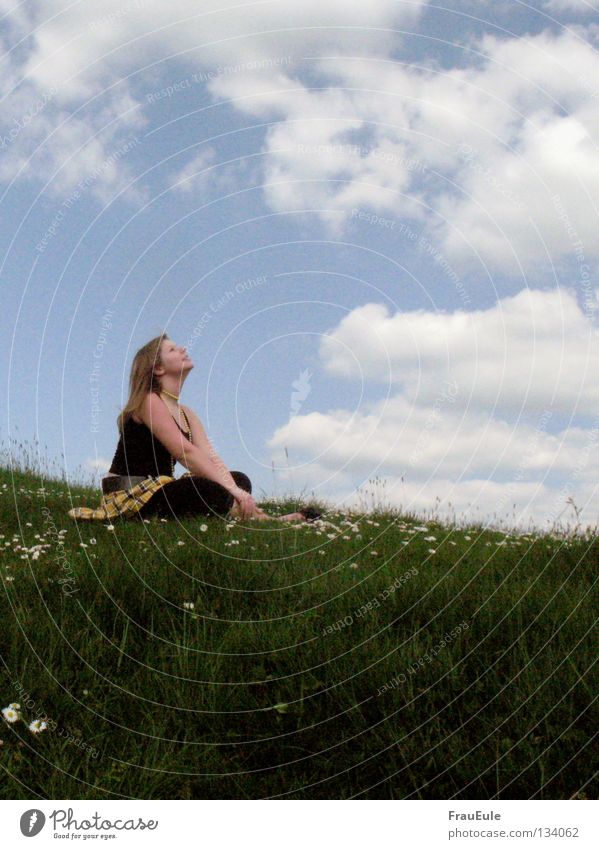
<point x="155" y="432"/>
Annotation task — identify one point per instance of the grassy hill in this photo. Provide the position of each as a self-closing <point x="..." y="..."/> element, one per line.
<point x="384" y="657"/>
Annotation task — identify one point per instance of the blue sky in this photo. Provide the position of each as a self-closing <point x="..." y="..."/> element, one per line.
<point x="374" y="226"/>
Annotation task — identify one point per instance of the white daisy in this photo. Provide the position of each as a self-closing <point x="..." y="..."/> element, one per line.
<point x="37" y="726"/>
<point x="180" y="542"/>
<point x="203" y="528"/>
<point x="189" y="605"/>
<point x="10" y="715"/>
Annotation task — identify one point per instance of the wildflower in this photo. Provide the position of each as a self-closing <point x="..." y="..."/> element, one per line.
<point x="109" y="527"/>
<point x="37" y="726"/>
<point x="92" y="541"/>
<point x="432" y="550"/>
<point x="189" y="605"/>
<point x="374" y="553"/>
<point x="430" y="539"/>
<point x="83" y="545"/>
<point x="164" y="520"/>
<point x="86" y="692"/>
<point x="353" y="565"/>
<point x="180" y="542"/>
<point x="467" y="537"/>
<point x="321" y="551"/>
<point x="331" y="536"/>
<point x="15" y="706"/>
<point x="203" y="528"/>
<point x="10" y="714"/>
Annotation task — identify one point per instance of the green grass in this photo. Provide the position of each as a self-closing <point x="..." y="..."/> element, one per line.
<point x="273" y="685"/>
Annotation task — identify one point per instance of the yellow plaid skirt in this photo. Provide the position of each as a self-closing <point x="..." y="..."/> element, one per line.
<point x="122" y="502"/>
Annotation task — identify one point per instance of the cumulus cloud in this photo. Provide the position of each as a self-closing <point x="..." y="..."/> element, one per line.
<point x="420" y="453"/>
<point x="525" y="505"/>
<point x="90" y="59"/>
<point x="480" y="151"/>
<point x="475" y="405"/>
<point x="529" y="351"/>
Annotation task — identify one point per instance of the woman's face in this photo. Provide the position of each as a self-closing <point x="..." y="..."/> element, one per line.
<point x="174" y="359"/>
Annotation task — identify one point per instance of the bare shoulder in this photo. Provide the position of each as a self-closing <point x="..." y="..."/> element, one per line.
<point x="152" y="408"/>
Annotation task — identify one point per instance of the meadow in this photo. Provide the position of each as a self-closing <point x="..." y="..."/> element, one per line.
<point x="372" y="655"/>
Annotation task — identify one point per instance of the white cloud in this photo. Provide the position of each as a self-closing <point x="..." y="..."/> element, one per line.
<point x="526" y="107"/>
<point x="202" y="175"/>
<point x="421" y="453"/>
<point x="520" y="504"/>
<point x="95" y="56"/>
<point x="197" y="173"/>
<point x="98" y="464"/>
<point x="77" y="46"/>
<point x="473" y="408"/>
<point x="530" y="351"/>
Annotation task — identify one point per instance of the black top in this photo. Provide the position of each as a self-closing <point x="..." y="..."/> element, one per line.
<point x="140" y="453"/>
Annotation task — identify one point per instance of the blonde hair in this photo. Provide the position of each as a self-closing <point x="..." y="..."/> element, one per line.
<point x="142" y="378"/>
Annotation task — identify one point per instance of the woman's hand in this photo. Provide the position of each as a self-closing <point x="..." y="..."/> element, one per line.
<point x="246" y="505"/>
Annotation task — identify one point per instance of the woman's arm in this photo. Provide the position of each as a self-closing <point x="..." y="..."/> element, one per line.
<point x="199" y="459"/>
<point x="201" y="441"/>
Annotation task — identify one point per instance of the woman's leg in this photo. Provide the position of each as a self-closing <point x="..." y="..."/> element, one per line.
<point x="192" y="495"/>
